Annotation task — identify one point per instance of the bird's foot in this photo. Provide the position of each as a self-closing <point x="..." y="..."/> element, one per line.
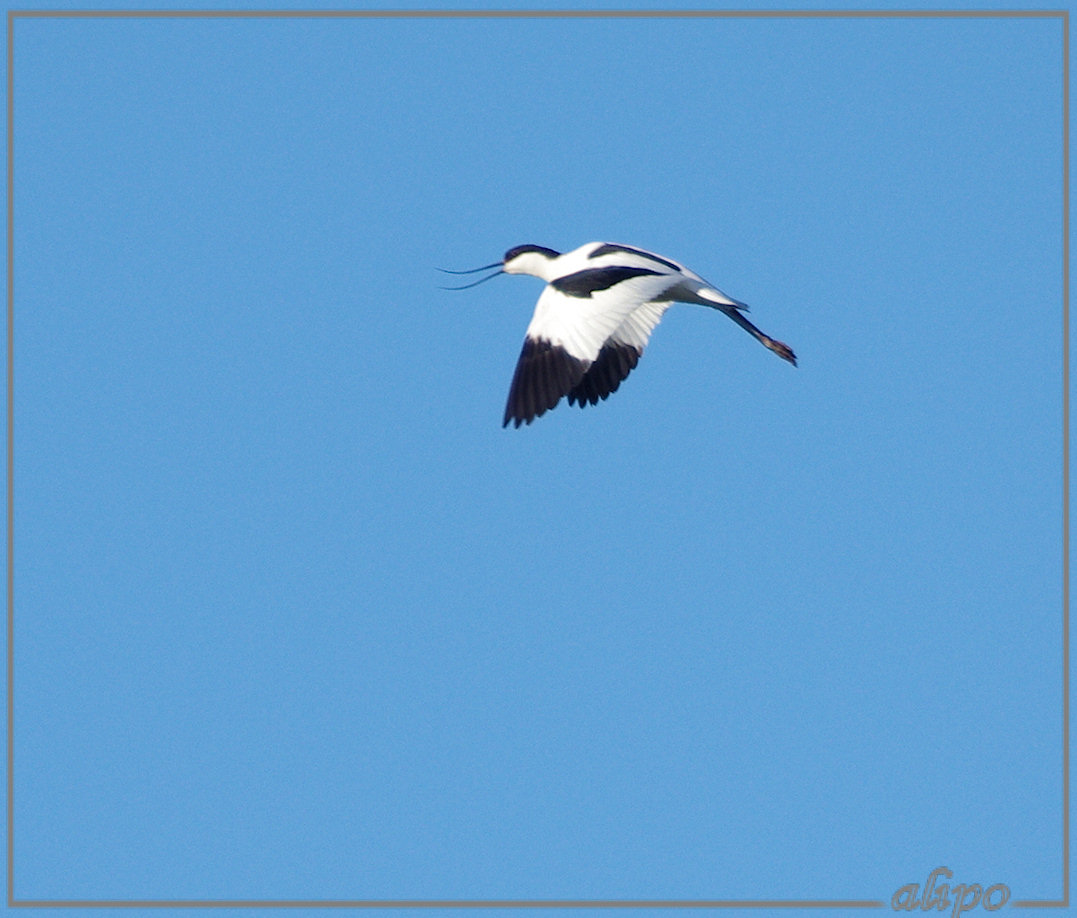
<point x="782" y="350"/>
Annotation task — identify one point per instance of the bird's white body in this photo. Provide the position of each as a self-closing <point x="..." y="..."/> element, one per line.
<point x="594" y="318"/>
<point x="626" y="312"/>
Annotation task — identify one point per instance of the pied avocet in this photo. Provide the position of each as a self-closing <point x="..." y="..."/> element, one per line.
<point x="594" y="318"/>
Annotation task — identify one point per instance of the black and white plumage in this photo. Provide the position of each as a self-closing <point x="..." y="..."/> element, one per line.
<point x="594" y="318"/>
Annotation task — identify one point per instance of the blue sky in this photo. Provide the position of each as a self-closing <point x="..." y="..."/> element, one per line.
<point x="295" y="618"/>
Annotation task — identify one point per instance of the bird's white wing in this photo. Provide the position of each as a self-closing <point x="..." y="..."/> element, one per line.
<point x="638" y="325"/>
<point x="580" y="312"/>
<point x="619" y="355"/>
<point x="575" y="317"/>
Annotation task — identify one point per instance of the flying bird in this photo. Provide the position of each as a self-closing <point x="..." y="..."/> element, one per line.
<point x="594" y="318"/>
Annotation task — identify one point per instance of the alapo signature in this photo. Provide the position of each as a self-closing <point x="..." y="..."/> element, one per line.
<point x="938" y="896"/>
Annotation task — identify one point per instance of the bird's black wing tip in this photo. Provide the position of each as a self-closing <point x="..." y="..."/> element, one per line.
<point x="545" y="373"/>
<point x="605" y="375"/>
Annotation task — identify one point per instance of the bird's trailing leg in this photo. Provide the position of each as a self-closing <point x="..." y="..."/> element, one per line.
<point x="782" y="350"/>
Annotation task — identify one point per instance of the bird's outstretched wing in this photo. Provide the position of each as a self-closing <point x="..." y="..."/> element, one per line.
<point x="619" y="355"/>
<point x="544" y="373"/>
<point x="605" y="375"/>
<point x="577" y="328"/>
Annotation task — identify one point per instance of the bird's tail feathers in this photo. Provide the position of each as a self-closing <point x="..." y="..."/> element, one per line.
<point x="711" y="296"/>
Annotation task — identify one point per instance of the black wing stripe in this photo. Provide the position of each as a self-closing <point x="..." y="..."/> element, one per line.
<point x="590" y="280"/>
<point x="544" y="373"/>
<point x="610" y="249"/>
<point x="605" y="375"/>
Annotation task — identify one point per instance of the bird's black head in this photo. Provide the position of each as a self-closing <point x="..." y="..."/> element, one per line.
<point x="517" y="250"/>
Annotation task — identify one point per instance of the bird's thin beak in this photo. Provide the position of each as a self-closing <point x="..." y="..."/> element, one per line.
<point x="496" y="264"/>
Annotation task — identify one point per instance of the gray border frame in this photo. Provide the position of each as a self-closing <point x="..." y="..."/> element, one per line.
<point x="13" y="15"/>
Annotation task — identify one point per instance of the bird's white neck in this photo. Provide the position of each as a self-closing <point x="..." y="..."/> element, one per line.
<point x="534" y="263"/>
